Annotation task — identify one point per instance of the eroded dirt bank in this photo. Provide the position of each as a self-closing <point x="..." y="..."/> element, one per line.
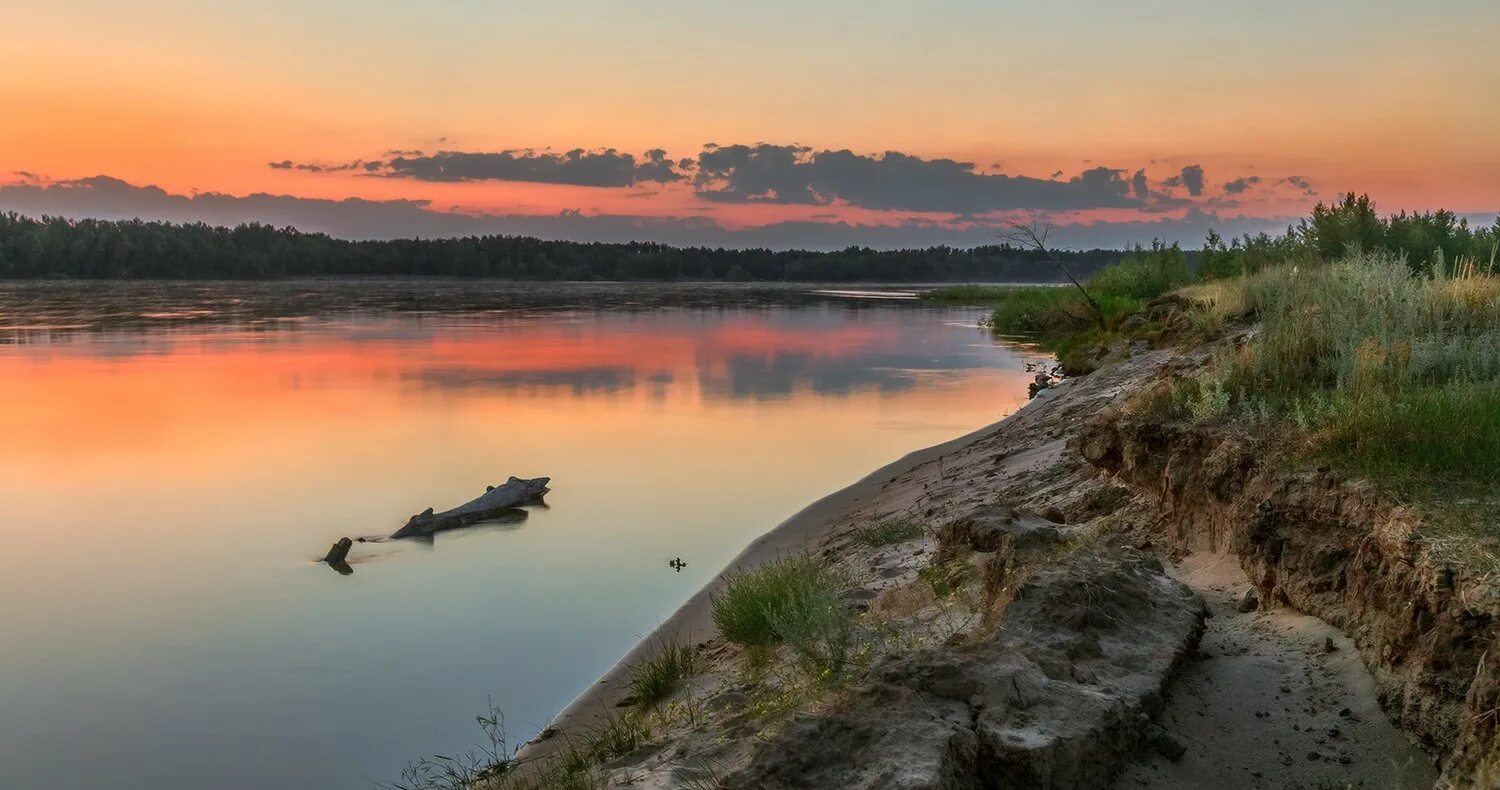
<point x="1340" y="550"/>
<point x="1044" y="631"/>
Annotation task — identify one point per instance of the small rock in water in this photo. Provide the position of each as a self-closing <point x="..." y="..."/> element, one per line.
<point x="1250" y="601"/>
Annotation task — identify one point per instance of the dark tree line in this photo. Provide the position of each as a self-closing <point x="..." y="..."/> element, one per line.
<point x="99" y="249"/>
<point x="1426" y="240"/>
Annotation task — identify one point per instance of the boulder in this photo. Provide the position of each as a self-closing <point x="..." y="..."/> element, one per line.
<point x="1058" y="698"/>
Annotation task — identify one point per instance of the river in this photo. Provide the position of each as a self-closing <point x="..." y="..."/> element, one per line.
<point x="174" y="457"/>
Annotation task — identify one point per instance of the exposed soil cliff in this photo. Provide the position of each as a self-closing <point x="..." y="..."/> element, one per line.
<point x="1341" y="550"/>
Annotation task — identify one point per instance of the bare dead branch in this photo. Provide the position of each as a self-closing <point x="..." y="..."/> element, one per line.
<point x="1034" y="235"/>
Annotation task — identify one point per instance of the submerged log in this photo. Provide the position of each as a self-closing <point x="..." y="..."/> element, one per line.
<point x="339" y="552"/>
<point x="494" y="501"/>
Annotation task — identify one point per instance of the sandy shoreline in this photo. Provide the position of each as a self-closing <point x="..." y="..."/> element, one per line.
<point x="692" y="622"/>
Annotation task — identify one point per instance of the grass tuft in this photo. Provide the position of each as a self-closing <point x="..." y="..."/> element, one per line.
<point x="889" y="532"/>
<point x="947" y="577"/>
<point x="747" y="608"/>
<point x="795" y="600"/>
<point x="655" y="678"/>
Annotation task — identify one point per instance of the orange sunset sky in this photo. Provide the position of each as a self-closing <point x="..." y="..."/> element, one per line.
<point x="813" y="124"/>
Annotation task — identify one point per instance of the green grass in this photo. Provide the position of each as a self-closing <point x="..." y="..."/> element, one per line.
<point x="1444" y="433"/>
<point x="1032" y="310"/>
<point x="819" y="627"/>
<point x="889" y="532"/>
<point x="1143" y="275"/>
<point x="948" y="577"/>
<point x="577" y="764"/>
<point x="1040" y="312"/>
<point x="574" y="765"/>
<point x="754" y="607"/>
<point x="1384" y="372"/>
<point x="655" y="678"/>
<point x="616" y="737"/>
<point x="1060" y="319"/>
<point x="1056" y="318"/>
<point x="1396" y="374"/>
<point x="742" y="610"/>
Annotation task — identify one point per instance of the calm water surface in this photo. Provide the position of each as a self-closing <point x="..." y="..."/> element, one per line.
<point x="172" y="459"/>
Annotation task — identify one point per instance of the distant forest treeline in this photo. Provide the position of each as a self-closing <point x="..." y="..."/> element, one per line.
<point x="98" y="249"/>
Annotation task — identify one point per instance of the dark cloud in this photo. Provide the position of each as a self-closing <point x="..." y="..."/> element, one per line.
<point x="311" y="167"/>
<point x="607" y="168"/>
<point x="1139" y="186"/>
<point x="403" y="152"/>
<point x="577" y="167"/>
<point x="1298" y="182"/>
<point x="103" y="197"/>
<point x="1191" y="177"/>
<point x="791" y="174"/>
<point x="1239" y="185"/>
<point x="656" y="167"/>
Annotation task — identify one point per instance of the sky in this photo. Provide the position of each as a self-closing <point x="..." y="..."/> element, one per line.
<point x="806" y="124"/>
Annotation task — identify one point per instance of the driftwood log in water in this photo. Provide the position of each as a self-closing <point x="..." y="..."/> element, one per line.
<point x="497" y="499"/>
<point x="339" y="552"/>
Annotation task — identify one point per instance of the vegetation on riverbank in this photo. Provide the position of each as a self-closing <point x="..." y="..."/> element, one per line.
<point x="794" y="600"/>
<point x="889" y="532"/>
<point x="1383" y="363"/>
<point x="1385" y="372"/>
<point x="1061" y="319"/>
<point x="654" y="679"/>
<point x="98" y="249"/>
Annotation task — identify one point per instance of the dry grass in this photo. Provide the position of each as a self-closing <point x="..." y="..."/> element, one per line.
<point x="1386" y="373"/>
<point x="1216" y="304"/>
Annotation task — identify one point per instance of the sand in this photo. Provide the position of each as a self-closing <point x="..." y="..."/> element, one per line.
<point x="1267" y="704"/>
